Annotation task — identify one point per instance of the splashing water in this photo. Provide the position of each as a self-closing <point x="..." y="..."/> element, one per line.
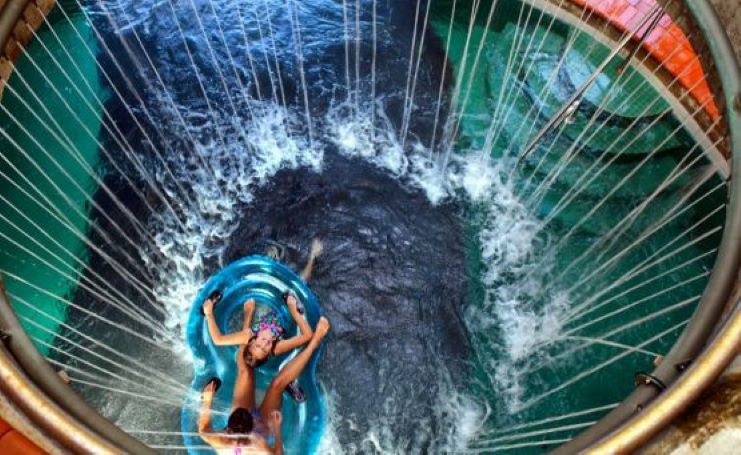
<point x="213" y="220"/>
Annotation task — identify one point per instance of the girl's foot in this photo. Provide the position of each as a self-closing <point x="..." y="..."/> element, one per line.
<point x="316" y="248"/>
<point x="295" y="391"/>
<point x="322" y="328"/>
<point x="212" y="386"/>
<point x="275" y="250"/>
<point x="272" y="252"/>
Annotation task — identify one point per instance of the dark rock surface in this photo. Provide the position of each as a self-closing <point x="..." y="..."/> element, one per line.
<point x="391" y="281"/>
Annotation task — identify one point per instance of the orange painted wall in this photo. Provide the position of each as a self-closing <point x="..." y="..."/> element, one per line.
<point x="14" y="443"/>
<point x="666" y="43"/>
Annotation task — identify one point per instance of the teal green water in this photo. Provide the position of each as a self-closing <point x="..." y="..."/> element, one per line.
<point x="55" y="245"/>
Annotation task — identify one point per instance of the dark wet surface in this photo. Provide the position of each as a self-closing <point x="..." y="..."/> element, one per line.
<point x="391" y="280"/>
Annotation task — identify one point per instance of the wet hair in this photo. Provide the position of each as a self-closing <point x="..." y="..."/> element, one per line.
<point x="240" y="422"/>
<point x="249" y="359"/>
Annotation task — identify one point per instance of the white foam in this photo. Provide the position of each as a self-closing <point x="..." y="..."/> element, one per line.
<point x="459" y="418"/>
<point x="355" y="135"/>
<point x="330" y="442"/>
<point x="511" y="246"/>
<point x="232" y="175"/>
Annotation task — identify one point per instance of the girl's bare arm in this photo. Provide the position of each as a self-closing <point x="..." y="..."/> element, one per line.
<point x="284" y="346"/>
<point x="219" y="339"/>
<point x="249" y="313"/>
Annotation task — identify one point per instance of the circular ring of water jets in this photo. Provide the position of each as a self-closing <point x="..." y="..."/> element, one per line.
<point x="39" y="392"/>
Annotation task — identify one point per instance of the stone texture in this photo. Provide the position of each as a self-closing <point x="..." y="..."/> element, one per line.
<point x="712" y="425"/>
<point x="729" y="12"/>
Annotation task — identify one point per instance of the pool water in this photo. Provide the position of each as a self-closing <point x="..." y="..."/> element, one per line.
<point x="57" y="254"/>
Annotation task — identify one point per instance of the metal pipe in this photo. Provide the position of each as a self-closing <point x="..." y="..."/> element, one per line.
<point x="53" y="420"/>
<point x="27" y="427"/>
<point x="688" y="388"/>
<point x="9" y="16"/>
<point x="43" y="376"/>
<point x="717" y="293"/>
<point x="46" y="389"/>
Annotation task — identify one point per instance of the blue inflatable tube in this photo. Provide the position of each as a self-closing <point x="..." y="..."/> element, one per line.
<point x="264" y="280"/>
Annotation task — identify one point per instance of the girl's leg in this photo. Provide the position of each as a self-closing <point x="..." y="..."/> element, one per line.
<point x="292" y="370"/>
<point x="316" y="250"/>
<point x="244" y="387"/>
